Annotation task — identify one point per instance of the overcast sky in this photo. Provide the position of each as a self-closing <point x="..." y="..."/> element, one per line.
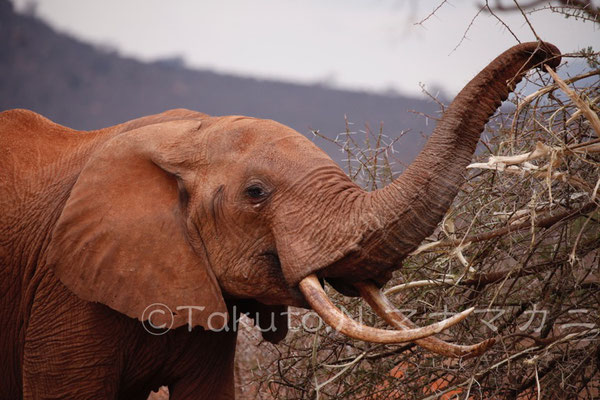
<point x="360" y="44"/>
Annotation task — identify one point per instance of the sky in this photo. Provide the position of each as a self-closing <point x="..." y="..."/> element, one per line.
<point x="373" y="45"/>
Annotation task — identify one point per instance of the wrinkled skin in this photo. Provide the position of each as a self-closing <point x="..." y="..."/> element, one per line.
<point x="185" y="209"/>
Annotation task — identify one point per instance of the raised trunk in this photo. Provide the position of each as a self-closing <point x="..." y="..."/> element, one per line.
<point x="367" y="235"/>
<point x="405" y="212"/>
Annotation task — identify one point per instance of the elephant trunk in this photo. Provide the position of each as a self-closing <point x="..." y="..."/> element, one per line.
<point x="408" y="210"/>
<point x="386" y="225"/>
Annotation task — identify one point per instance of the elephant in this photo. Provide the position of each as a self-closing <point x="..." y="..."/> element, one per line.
<point x="126" y="252"/>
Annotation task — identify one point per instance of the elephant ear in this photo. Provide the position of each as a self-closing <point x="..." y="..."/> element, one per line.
<point x="122" y="238"/>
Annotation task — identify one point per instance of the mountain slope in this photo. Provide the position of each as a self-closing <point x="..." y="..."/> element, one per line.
<point x="84" y="87"/>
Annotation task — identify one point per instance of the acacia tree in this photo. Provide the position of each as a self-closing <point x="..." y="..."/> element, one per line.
<point x="520" y="243"/>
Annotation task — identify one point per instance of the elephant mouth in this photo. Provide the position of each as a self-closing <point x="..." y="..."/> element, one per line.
<point x="271" y="265"/>
<point x="271" y="258"/>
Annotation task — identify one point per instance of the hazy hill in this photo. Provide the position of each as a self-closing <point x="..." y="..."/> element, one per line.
<point x="85" y="87"/>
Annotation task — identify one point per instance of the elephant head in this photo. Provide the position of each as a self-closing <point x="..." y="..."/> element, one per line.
<point x="201" y="210"/>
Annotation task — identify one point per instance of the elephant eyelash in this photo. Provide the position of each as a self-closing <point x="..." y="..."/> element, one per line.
<point x="256" y="193"/>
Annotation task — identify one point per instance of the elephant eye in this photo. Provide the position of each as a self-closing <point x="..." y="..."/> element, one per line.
<point x="256" y="192"/>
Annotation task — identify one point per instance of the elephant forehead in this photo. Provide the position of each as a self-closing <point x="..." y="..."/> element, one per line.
<point x="296" y="148"/>
<point x="244" y="136"/>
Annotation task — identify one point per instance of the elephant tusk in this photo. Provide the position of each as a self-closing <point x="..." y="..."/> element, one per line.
<point x="386" y="310"/>
<point x="319" y="301"/>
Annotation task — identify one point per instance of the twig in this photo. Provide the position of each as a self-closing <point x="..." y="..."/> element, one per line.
<point x="543" y="91"/>
<point x="527" y="20"/>
<point x="542" y="223"/>
<point x="432" y="13"/>
<point x="501" y="21"/>
<point x="591" y="116"/>
<point x="421" y="283"/>
<point x="468" y="29"/>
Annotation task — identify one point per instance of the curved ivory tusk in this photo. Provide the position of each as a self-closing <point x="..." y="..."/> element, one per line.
<point x="386" y="310"/>
<point x="318" y="300"/>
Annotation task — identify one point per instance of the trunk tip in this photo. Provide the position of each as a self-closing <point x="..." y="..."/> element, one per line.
<point x="542" y="53"/>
